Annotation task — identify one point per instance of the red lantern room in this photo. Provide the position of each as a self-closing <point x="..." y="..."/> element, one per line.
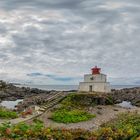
<point x="96" y="70"/>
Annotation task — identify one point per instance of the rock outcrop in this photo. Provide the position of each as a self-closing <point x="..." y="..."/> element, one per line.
<point x="127" y="94"/>
<point x="11" y="92"/>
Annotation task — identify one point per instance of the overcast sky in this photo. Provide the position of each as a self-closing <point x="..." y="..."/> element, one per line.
<point x="58" y="41"/>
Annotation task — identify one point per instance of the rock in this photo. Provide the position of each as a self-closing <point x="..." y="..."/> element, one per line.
<point x="99" y="112"/>
<point x="118" y="101"/>
<point x="42" y="109"/>
<point x="3" y="95"/>
<point x="11" y="98"/>
<point x="127" y="94"/>
<point x="137" y="103"/>
<point x="99" y="107"/>
<point x="115" y="109"/>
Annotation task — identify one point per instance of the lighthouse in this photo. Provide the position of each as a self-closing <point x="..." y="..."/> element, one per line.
<point x="96" y="81"/>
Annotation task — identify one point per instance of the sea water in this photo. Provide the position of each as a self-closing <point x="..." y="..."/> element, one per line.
<point x="10" y="104"/>
<point x="71" y="87"/>
<point x="125" y="104"/>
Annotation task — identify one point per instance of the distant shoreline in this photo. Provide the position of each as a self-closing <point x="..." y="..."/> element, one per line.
<point x="68" y="87"/>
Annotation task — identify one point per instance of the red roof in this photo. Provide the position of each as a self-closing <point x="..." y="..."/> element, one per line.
<point x="96" y="70"/>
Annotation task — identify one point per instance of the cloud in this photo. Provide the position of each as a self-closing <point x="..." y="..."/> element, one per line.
<point x="66" y="38"/>
<point x="58" y="78"/>
<point x="51" y="76"/>
<point x="35" y="74"/>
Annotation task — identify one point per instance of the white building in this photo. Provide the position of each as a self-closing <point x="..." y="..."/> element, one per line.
<point x="95" y="82"/>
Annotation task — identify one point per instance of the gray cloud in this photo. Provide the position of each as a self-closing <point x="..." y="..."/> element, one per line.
<point x="66" y="38"/>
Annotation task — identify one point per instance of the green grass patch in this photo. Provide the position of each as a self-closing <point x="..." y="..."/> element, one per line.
<point x="7" y="114"/>
<point x="72" y="116"/>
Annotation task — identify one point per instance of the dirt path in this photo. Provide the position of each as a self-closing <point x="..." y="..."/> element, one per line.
<point x="52" y="100"/>
<point x="103" y="114"/>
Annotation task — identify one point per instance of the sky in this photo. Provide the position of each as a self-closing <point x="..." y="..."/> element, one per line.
<point x="58" y="41"/>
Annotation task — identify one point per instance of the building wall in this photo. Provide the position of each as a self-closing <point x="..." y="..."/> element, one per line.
<point x="95" y="78"/>
<point x="98" y="87"/>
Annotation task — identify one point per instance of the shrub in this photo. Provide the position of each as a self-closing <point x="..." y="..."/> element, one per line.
<point x="21" y="131"/>
<point x="125" y="127"/>
<point x="109" y="100"/>
<point x="7" y="114"/>
<point x="36" y="131"/>
<point x="73" y="116"/>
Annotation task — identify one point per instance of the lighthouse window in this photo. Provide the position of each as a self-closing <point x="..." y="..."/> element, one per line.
<point x="91" y="78"/>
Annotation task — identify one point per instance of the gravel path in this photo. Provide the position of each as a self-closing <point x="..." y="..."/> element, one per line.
<point x="20" y="119"/>
<point x="103" y="114"/>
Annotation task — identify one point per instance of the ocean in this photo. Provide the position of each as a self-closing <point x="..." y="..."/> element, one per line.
<point x="71" y="87"/>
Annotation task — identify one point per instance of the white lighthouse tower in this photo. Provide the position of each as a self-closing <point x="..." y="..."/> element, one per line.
<point x="95" y="82"/>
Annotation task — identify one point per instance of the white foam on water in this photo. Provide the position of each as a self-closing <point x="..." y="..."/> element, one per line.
<point x="10" y="104"/>
<point x="125" y="104"/>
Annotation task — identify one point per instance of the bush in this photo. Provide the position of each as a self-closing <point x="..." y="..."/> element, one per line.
<point x="109" y="100"/>
<point x="73" y="116"/>
<point x="125" y="127"/>
<point x="36" y="131"/>
<point x="7" y="114"/>
<point x="21" y="131"/>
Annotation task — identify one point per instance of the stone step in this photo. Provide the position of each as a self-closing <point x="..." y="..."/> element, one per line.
<point x="54" y="100"/>
<point x="42" y="109"/>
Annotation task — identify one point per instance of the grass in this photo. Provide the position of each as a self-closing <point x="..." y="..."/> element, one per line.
<point x="72" y="116"/>
<point x="70" y="111"/>
<point x="7" y="114"/>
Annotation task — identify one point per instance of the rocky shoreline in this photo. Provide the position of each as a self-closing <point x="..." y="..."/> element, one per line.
<point x="34" y="96"/>
<point x="30" y="96"/>
<point x="11" y="92"/>
<point x="127" y="94"/>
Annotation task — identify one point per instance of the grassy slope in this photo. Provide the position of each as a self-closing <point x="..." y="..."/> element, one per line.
<point x="71" y="111"/>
